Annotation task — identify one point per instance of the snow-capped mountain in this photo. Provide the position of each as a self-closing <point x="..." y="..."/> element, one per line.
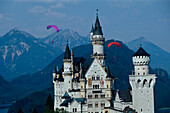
<point x="59" y="40"/>
<point x="21" y="53"/>
<point x="159" y="57"/>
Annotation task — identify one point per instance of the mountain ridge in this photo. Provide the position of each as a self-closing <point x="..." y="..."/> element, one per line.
<point x="22" y="53"/>
<point x="59" y="40"/>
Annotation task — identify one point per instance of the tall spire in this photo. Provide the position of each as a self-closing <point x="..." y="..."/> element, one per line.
<point x="67" y="52"/>
<point x="92" y="29"/>
<point x="54" y="69"/>
<point x="108" y="73"/>
<point x="98" y="28"/>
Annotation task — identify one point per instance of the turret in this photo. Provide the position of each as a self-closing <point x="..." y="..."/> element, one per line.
<point x="82" y="83"/>
<point x="141" y="61"/>
<point x="54" y="74"/>
<point x="98" y="40"/>
<point x="67" y="69"/>
<point x="142" y="83"/>
<point x="67" y="61"/>
<point x="72" y="62"/>
<point x="91" y="32"/>
<point x="109" y="86"/>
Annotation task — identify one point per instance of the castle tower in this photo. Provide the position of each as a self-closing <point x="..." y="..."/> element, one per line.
<point x="98" y="40"/>
<point x="67" y="73"/>
<point x="58" y="81"/>
<point x="142" y="83"/>
<point x="82" y="84"/>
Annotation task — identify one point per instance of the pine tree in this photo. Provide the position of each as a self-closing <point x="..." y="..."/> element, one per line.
<point x="49" y="105"/>
<point x="20" y="110"/>
<point x="34" y="111"/>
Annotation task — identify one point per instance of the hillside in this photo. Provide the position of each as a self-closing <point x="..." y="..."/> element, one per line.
<point x="59" y="40"/>
<point x="8" y="90"/>
<point x="158" y="56"/>
<point x="21" y="53"/>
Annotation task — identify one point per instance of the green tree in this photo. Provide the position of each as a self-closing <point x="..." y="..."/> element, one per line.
<point x="34" y="111"/>
<point x="49" y="105"/>
<point x="20" y="110"/>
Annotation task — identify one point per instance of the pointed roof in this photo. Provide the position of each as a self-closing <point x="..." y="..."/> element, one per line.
<point x="67" y="54"/>
<point x="66" y="96"/>
<point x="98" y="28"/>
<point x="82" y="73"/>
<point x="92" y="29"/>
<point x="141" y="52"/>
<point x="109" y="75"/>
<point x="54" y="69"/>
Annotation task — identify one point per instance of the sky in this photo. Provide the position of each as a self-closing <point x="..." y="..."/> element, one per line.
<point x="123" y="20"/>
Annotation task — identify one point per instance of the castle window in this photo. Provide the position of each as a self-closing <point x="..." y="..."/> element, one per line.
<point x="96" y="96"/>
<point x="81" y="87"/>
<point x="107" y="86"/>
<point x="89" y="96"/>
<point x="103" y="96"/>
<point x="141" y="110"/>
<point x="90" y="105"/>
<point x="138" y="68"/>
<point x="93" y="77"/>
<point x="143" y="73"/>
<point x="74" y="109"/>
<point x="96" y="105"/>
<point x="138" y="73"/>
<point x="98" y="78"/>
<point x="102" y="104"/>
<point x="143" y="68"/>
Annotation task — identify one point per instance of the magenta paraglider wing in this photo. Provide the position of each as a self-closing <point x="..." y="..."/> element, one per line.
<point x="53" y="26"/>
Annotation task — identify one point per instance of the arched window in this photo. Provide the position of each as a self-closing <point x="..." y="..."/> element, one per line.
<point x="102" y="104"/>
<point x="90" y="105"/>
<point x="93" y="77"/>
<point x="150" y="82"/>
<point x="145" y="83"/>
<point x="106" y="112"/>
<point x="98" y="77"/>
<point x="139" y="83"/>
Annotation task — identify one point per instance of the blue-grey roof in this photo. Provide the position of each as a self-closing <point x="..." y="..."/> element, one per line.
<point x="92" y="29"/>
<point x="54" y="69"/>
<point x="108" y="73"/>
<point x="141" y="52"/>
<point x="66" y="96"/>
<point x="67" y="54"/>
<point x="98" y="28"/>
<point x="125" y="95"/>
<point x="66" y="101"/>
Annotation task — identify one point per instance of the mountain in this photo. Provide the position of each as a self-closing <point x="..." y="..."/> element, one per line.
<point x="119" y="66"/>
<point x="159" y="57"/>
<point x="59" y="40"/>
<point x="21" y="53"/>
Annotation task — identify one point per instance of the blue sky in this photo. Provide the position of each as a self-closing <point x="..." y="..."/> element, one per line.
<point x="123" y="20"/>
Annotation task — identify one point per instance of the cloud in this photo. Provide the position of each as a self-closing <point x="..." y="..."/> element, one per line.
<point x="50" y="12"/>
<point x="59" y="5"/>
<point x="37" y="9"/>
<point x="47" y="1"/>
<point x="1" y="16"/>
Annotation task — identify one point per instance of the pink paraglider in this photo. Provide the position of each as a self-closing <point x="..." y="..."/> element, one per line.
<point x="53" y="26"/>
<point x="115" y="43"/>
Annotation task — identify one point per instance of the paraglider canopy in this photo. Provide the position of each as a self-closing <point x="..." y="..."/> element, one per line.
<point x="115" y="43"/>
<point x="53" y="26"/>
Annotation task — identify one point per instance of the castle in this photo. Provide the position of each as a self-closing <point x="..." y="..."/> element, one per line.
<point x="87" y="86"/>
